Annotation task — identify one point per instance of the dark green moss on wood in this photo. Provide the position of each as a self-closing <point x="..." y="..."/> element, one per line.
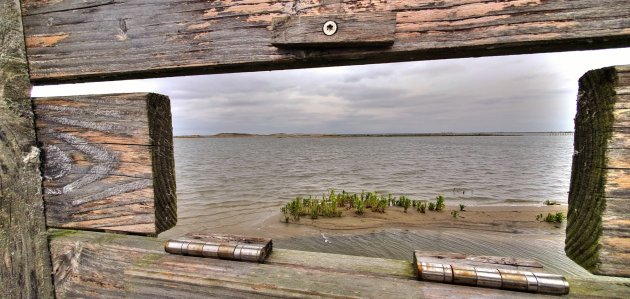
<point x="25" y="269"/>
<point x="587" y="203"/>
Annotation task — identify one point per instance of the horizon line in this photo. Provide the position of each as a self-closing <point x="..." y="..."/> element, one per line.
<point x="375" y="134"/>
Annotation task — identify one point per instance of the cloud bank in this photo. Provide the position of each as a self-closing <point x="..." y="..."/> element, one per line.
<point x="509" y="93"/>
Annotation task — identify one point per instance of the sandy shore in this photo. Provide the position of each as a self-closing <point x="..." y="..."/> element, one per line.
<point x="509" y="219"/>
<point x="498" y="230"/>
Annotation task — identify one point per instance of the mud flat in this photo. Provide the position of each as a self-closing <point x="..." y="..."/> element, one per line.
<point x="510" y="219"/>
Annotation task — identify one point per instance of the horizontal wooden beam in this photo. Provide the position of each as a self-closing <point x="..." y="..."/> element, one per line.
<point x="598" y="224"/>
<point x="77" y="40"/>
<point x="89" y="264"/>
<point x="334" y="30"/>
<point x="108" y="162"/>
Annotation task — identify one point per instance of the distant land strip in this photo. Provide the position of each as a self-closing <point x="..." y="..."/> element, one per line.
<point x="299" y="135"/>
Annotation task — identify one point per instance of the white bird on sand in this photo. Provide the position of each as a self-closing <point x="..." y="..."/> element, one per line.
<point x="325" y="239"/>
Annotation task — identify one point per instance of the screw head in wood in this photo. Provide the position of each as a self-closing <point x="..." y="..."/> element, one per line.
<point x="330" y="28"/>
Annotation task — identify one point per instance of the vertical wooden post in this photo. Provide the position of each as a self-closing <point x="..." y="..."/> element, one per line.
<point x="25" y="270"/>
<point x="598" y="226"/>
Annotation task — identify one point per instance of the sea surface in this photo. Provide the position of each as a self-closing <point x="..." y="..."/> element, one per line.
<point x="235" y="185"/>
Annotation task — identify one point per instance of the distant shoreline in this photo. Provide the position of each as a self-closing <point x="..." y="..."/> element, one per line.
<point x="447" y="134"/>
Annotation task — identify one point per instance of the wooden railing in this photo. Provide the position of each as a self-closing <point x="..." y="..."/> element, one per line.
<point x="107" y="160"/>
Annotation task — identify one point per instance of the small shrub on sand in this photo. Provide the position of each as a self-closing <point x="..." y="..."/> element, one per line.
<point x="557" y="217"/>
<point x="405" y="202"/>
<point x="439" y="203"/>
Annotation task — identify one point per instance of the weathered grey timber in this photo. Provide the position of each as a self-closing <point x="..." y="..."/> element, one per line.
<point x="25" y="270"/>
<point x="108" y="162"/>
<point x="91" y="264"/>
<point x="76" y="40"/>
<point x="598" y="224"/>
<point x="350" y="30"/>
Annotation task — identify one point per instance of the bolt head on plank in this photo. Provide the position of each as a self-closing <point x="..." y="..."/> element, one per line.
<point x="374" y="29"/>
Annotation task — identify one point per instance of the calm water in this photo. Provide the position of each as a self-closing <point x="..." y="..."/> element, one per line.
<point x="234" y="185"/>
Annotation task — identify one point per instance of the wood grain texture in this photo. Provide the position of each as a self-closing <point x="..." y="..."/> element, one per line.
<point x="77" y="40"/>
<point x="353" y="30"/>
<point x="24" y="257"/>
<point x="91" y="264"/>
<point x="598" y="224"/>
<point x="108" y="162"/>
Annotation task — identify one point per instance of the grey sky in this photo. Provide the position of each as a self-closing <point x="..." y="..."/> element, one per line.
<point x="509" y="93"/>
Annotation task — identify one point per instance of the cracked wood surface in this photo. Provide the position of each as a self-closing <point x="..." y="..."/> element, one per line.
<point x="91" y="264"/>
<point x="79" y="40"/>
<point x="598" y="221"/>
<point x="25" y="270"/>
<point x="108" y="162"/>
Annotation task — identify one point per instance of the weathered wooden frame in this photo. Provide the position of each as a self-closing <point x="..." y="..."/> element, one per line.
<point x="73" y="41"/>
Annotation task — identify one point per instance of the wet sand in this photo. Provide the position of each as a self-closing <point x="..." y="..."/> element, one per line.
<point x="508" y="219"/>
<point x="480" y="230"/>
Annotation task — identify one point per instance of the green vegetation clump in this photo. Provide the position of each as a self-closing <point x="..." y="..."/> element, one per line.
<point x="405" y="202"/>
<point x="439" y="203"/>
<point x="454" y="213"/>
<point x="331" y="204"/>
<point x="326" y="207"/>
<point x="359" y="206"/>
<point x="421" y="207"/>
<point x="557" y="217"/>
<point x="462" y="207"/>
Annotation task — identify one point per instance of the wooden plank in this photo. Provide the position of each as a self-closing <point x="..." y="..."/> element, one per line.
<point x="90" y="264"/>
<point x="76" y="40"/>
<point x="620" y="138"/>
<point x="347" y="30"/>
<point x="617" y="182"/>
<point x="598" y="223"/>
<point x="108" y="162"/>
<point x="24" y="257"/>
<point x="618" y="158"/>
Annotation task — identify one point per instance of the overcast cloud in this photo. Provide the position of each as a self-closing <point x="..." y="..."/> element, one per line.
<point x="509" y="93"/>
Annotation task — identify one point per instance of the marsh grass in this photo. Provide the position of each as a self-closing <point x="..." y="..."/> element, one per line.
<point x="422" y="207"/>
<point x="439" y="203"/>
<point x="331" y="204"/>
<point x="405" y="202"/>
<point x="557" y="217"/>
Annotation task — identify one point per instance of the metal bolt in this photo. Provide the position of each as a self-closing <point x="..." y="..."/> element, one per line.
<point x="330" y="28"/>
